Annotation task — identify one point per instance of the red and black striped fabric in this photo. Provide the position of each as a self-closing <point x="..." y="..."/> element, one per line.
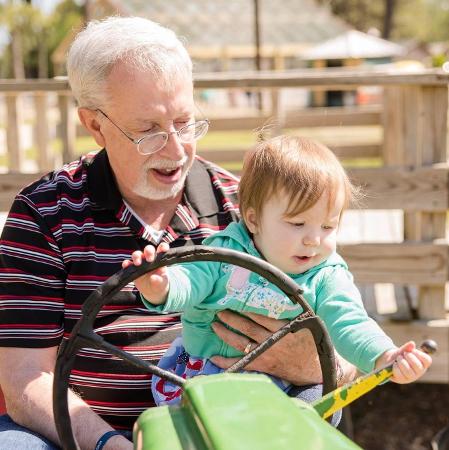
<point x="64" y="236"/>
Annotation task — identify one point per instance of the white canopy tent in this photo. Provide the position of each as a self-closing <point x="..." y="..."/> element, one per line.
<point x="353" y="44"/>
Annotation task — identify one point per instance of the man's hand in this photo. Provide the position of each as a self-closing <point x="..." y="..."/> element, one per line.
<point x="294" y="358"/>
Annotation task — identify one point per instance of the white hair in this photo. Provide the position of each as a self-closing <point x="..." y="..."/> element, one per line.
<point x="138" y="42"/>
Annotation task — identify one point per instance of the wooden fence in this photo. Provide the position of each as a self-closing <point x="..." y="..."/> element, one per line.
<point x="413" y="177"/>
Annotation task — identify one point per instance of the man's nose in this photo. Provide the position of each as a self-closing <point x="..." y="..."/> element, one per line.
<point x="173" y="149"/>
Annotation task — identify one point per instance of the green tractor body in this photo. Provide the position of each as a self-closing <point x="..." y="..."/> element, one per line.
<point x="236" y="411"/>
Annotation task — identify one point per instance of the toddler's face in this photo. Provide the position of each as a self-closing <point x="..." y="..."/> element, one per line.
<point x="296" y="244"/>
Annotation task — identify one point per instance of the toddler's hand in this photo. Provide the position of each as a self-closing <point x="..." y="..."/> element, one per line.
<point x="409" y="363"/>
<point x="153" y="285"/>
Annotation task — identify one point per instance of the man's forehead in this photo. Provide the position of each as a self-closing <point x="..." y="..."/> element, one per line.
<point x="154" y="106"/>
<point x="143" y="85"/>
<point x="153" y="117"/>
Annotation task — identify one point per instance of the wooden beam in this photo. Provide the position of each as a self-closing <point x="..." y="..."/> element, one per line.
<point x="278" y="113"/>
<point x="240" y="123"/>
<point x="415" y="135"/>
<point x="386" y="188"/>
<point x="405" y="263"/>
<point x="342" y="151"/>
<point x="333" y="117"/>
<point x="14" y="148"/>
<point x="434" y="129"/>
<point x="223" y="156"/>
<point x="356" y="150"/>
<point x="329" y="79"/>
<point x="432" y="301"/>
<point x="44" y="155"/>
<point x="67" y="127"/>
<point x="423" y="188"/>
<point x="309" y="118"/>
<point x="410" y="189"/>
<point x="49" y="85"/>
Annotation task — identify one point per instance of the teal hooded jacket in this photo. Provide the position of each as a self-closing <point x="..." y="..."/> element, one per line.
<point x="201" y="289"/>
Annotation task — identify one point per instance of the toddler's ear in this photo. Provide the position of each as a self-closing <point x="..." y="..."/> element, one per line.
<point x="251" y="220"/>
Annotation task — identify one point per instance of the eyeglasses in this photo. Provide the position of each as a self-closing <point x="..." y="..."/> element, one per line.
<point x="152" y="143"/>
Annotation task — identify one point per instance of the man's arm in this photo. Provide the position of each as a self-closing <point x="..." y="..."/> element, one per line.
<point x="294" y="358"/>
<point x="26" y="378"/>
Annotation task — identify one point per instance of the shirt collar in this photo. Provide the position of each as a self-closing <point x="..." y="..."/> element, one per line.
<point x="103" y="189"/>
<point x="199" y="193"/>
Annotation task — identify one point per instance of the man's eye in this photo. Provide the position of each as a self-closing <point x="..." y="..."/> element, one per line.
<point x="150" y="130"/>
<point x="328" y="227"/>
<point x="298" y="224"/>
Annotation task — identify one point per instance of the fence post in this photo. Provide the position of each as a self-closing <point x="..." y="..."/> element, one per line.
<point x="44" y="157"/>
<point x="415" y="122"/>
<point x="277" y="113"/>
<point x="15" y="156"/>
<point x="67" y="129"/>
<point x="434" y="150"/>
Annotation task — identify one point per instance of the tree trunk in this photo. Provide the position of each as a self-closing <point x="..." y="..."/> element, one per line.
<point x="42" y="54"/>
<point x="388" y="18"/>
<point x="17" y="55"/>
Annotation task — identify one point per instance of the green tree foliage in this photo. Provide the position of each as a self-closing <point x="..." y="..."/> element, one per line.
<point x="34" y="36"/>
<point x="22" y="22"/>
<point x="67" y="16"/>
<point x="423" y="20"/>
<point x="361" y="14"/>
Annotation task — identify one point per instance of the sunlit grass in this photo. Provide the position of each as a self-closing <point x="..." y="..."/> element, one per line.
<point x="228" y="140"/>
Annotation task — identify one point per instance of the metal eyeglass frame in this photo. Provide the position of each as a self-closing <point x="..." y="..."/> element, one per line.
<point x="166" y="134"/>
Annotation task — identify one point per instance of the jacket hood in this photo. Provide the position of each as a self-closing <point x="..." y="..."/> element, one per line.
<point x="241" y="238"/>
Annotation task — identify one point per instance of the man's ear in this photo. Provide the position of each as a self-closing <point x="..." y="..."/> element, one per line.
<point x="251" y="220"/>
<point x="89" y="119"/>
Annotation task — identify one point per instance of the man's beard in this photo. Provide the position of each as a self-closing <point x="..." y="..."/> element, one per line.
<point x="145" y="189"/>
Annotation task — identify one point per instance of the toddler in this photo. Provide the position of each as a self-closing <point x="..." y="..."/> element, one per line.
<point x="292" y="194"/>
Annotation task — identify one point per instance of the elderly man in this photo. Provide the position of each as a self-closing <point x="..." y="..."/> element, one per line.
<point x="69" y="231"/>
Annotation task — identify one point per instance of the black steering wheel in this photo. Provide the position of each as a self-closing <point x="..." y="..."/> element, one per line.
<point x="83" y="334"/>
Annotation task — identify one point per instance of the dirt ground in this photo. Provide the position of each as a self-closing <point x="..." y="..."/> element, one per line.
<point x="400" y="417"/>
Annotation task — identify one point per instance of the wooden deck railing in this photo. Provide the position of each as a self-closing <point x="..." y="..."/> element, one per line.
<point x="413" y="177"/>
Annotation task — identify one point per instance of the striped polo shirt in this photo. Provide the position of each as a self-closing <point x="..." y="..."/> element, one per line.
<point x="64" y="236"/>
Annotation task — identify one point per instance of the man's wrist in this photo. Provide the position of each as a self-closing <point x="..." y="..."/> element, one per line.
<point x="105" y="439"/>
<point x="118" y="442"/>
